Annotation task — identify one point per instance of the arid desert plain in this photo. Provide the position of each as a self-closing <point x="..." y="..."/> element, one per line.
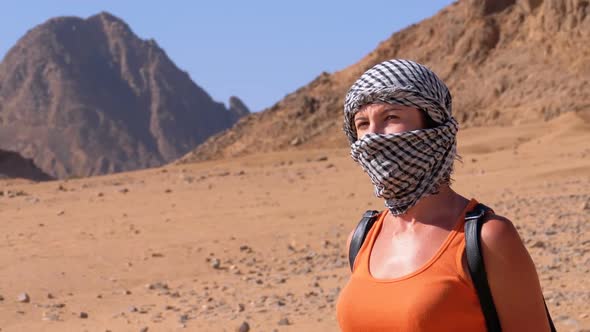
<point x="261" y="239"/>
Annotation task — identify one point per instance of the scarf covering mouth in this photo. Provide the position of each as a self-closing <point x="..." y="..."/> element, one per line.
<point x="404" y="167"/>
<point x="400" y="82"/>
<point x="407" y="166"/>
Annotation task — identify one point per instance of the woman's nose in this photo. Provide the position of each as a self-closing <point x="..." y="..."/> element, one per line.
<point x="375" y="128"/>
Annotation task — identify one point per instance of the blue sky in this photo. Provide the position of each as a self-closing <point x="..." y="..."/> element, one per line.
<point x="256" y="50"/>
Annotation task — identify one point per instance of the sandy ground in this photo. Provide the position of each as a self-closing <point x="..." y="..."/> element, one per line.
<point x="260" y="239"/>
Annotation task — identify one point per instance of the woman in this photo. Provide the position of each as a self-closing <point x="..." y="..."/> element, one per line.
<point x="411" y="272"/>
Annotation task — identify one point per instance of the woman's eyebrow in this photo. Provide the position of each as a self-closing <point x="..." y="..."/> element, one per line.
<point x="394" y="108"/>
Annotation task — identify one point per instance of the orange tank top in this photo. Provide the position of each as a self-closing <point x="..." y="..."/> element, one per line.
<point x="436" y="297"/>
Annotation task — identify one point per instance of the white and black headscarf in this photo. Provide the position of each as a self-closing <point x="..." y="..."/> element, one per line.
<point x="404" y="167"/>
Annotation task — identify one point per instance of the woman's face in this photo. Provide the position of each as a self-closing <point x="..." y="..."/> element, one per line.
<point x="382" y="118"/>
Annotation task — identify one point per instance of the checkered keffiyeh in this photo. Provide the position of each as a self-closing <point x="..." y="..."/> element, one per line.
<point x="404" y="167"/>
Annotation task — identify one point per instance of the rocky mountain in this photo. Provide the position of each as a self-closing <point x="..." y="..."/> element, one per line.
<point x="13" y="165"/>
<point x="87" y="96"/>
<point x="505" y="61"/>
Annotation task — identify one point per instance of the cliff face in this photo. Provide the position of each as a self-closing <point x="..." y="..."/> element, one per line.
<point x="505" y="61"/>
<point x="87" y="96"/>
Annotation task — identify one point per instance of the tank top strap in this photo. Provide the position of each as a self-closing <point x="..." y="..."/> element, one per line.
<point x="360" y="263"/>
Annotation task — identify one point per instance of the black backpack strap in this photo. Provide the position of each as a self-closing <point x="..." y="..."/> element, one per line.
<point x="474" y="221"/>
<point x="360" y="232"/>
<point x="549" y="317"/>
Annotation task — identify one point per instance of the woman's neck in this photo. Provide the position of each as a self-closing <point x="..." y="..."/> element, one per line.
<point x="432" y="209"/>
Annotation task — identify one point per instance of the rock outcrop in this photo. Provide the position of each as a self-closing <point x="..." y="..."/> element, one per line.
<point x="13" y="165"/>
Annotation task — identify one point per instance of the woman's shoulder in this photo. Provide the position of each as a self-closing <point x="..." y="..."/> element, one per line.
<point x="499" y="233"/>
<point x="503" y="249"/>
<point x="512" y="277"/>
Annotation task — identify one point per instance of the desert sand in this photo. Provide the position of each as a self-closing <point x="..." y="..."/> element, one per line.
<point x="261" y="239"/>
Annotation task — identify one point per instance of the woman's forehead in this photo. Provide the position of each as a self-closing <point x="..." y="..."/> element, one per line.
<point x="380" y="106"/>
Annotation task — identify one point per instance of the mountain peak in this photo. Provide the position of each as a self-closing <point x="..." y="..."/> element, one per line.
<point x="109" y="22"/>
<point x="108" y="17"/>
<point x="87" y="96"/>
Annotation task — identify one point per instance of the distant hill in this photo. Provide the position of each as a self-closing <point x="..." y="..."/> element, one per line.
<point x="505" y="61"/>
<point x="87" y="96"/>
<point x="13" y="165"/>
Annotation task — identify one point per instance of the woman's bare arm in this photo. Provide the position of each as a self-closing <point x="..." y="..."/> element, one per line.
<point x="513" y="279"/>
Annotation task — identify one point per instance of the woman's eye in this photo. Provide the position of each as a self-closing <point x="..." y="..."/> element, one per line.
<point x="361" y="125"/>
